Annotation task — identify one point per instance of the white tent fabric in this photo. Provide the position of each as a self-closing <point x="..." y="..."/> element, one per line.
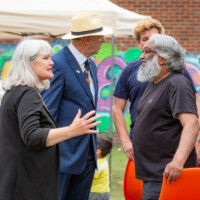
<point x="52" y="17"/>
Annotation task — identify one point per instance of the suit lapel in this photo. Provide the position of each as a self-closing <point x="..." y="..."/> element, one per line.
<point x="95" y="80"/>
<point x="78" y="72"/>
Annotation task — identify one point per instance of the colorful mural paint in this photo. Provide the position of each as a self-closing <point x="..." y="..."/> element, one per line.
<point x="103" y="61"/>
<point x="193" y="67"/>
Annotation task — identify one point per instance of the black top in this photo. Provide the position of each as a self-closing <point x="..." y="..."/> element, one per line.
<point x="28" y="169"/>
<point x="157" y="130"/>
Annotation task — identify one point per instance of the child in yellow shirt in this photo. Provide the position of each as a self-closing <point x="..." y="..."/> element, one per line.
<point x="100" y="189"/>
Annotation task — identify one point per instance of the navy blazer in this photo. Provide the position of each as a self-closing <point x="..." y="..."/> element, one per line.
<point x="69" y="92"/>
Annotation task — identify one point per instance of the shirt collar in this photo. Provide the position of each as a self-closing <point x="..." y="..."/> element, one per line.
<point x="78" y="55"/>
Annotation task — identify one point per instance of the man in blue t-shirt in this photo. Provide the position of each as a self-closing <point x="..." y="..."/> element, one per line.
<point x="128" y="88"/>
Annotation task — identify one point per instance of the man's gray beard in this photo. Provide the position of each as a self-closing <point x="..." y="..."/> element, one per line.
<point x="150" y="70"/>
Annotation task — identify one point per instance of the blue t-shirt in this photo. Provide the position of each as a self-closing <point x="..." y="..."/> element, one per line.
<point x="129" y="88"/>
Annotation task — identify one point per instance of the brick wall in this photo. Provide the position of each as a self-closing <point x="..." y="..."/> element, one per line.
<point x="180" y="18"/>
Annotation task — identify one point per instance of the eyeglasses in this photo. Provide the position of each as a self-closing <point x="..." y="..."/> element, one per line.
<point x="148" y="51"/>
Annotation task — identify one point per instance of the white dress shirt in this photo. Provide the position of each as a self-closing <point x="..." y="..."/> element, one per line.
<point x="81" y="60"/>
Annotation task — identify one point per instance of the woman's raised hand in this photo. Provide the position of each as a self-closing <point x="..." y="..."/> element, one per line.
<point x="81" y="126"/>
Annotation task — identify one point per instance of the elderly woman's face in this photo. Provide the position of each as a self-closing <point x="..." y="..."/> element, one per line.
<point x="42" y="66"/>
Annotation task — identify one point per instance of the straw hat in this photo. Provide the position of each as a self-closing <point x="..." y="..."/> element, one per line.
<point x="87" y="24"/>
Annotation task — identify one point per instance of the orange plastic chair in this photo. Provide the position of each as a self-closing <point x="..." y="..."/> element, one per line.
<point x="186" y="187"/>
<point x="132" y="186"/>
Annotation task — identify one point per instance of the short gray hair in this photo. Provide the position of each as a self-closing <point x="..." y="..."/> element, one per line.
<point x="169" y="48"/>
<point x="21" y="72"/>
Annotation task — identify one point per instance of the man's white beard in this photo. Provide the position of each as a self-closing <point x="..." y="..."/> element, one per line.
<point x="149" y="70"/>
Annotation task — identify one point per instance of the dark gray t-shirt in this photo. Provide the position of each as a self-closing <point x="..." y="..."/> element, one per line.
<point x="157" y="130"/>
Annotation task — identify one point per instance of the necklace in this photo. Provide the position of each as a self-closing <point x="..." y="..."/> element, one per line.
<point x="42" y="99"/>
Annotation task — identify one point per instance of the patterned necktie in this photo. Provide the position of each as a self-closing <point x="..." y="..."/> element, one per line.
<point x="87" y="70"/>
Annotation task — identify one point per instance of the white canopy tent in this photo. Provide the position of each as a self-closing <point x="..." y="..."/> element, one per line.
<point x="52" y="17"/>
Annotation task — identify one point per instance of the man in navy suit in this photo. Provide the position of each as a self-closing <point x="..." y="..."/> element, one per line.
<point x="74" y="86"/>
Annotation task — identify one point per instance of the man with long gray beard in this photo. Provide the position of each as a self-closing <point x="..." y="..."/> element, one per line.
<point x="150" y="69"/>
<point x="166" y="127"/>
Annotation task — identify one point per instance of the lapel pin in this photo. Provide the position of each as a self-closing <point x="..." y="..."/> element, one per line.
<point x="78" y="71"/>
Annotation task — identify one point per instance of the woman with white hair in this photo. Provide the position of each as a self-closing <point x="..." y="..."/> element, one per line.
<point x="29" y="153"/>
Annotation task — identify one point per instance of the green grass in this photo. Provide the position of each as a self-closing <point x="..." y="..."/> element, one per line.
<point x="118" y="165"/>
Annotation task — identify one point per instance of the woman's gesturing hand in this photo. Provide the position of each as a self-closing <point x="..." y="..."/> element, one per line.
<point x="79" y="126"/>
<point x="83" y="125"/>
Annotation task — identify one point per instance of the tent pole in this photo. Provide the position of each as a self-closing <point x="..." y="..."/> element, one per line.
<point x="111" y="98"/>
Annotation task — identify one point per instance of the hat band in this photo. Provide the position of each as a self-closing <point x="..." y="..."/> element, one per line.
<point x="87" y="32"/>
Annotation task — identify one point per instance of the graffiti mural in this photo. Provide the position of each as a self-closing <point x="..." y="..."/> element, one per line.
<point x="193" y="67"/>
<point x="6" y="53"/>
<point x="103" y="61"/>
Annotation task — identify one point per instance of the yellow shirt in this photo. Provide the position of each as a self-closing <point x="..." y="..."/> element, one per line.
<point x="100" y="182"/>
